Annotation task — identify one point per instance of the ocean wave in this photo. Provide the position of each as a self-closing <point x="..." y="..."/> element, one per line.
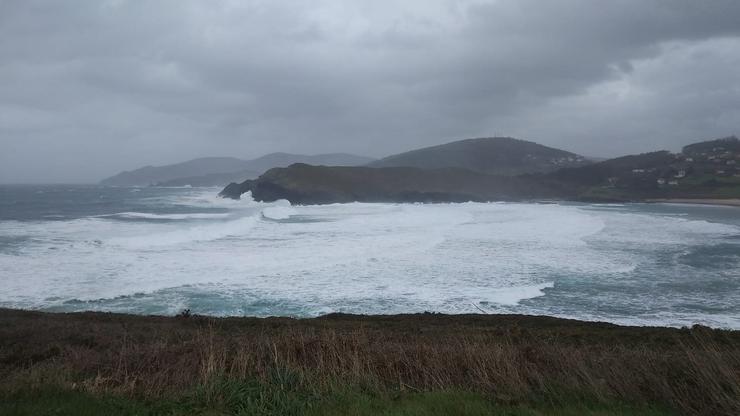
<point x="201" y="233"/>
<point x="278" y="213"/>
<point x="515" y="294"/>
<point x="374" y="258"/>
<point x="279" y="210"/>
<point x="150" y="216"/>
<point x="208" y="197"/>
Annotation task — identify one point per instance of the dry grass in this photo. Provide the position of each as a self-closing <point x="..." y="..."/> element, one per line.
<point x="512" y="359"/>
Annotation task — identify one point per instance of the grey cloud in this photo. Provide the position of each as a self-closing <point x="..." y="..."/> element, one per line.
<point x="93" y="87"/>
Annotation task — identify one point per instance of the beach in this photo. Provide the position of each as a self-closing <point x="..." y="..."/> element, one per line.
<point x="722" y="202"/>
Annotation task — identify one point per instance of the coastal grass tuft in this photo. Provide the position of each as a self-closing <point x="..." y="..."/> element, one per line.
<point x="344" y="364"/>
<point x="253" y="399"/>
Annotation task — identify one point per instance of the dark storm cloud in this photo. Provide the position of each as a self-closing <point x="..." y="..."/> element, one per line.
<point x="92" y="87"/>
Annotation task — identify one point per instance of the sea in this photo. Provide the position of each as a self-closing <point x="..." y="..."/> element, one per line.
<point x="157" y="250"/>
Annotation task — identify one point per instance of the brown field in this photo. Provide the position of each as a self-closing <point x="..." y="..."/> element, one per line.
<point x="508" y="358"/>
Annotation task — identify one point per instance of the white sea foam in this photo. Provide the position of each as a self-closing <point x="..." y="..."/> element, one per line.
<point x="191" y="234"/>
<point x="150" y="216"/>
<point x="365" y="258"/>
<point x="279" y="210"/>
<point x="514" y="295"/>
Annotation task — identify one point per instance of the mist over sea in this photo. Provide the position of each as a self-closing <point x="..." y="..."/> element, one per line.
<point x="162" y="250"/>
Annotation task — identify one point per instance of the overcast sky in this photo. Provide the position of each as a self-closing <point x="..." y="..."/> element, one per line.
<point x="92" y="87"/>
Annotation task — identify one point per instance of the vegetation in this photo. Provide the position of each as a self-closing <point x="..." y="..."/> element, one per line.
<point x="252" y="398"/>
<point x="96" y="363"/>
<point x="306" y="184"/>
<point x="728" y="143"/>
<point x="462" y="171"/>
<point x="495" y="156"/>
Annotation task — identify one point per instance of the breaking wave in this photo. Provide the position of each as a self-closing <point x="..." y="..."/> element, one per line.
<point x="188" y="248"/>
<point x="150" y="216"/>
<point x="191" y="234"/>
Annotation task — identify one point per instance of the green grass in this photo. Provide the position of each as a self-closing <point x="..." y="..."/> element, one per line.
<point x="251" y="398"/>
<point x="712" y="186"/>
<point x="110" y="364"/>
<point x="706" y="179"/>
<point x="67" y="402"/>
<point x="599" y="193"/>
<point x="458" y="403"/>
<point x="728" y="192"/>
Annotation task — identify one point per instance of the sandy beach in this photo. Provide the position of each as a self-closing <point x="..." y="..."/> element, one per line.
<point x="723" y="202"/>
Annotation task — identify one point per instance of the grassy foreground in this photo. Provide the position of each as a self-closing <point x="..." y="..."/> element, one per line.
<point x="95" y="363"/>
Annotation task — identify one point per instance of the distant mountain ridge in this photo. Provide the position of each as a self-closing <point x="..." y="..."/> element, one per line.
<point x="492" y="155"/>
<point x="272" y="160"/>
<point x="708" y="169"/>
<point x="218" y="171"/>
<point x="211" y="179"/>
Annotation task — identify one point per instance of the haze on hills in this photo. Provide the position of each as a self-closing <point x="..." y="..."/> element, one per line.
<point x="494" y="155"/>
<point x="215" y="171"/>
<point x="506" y="169"/>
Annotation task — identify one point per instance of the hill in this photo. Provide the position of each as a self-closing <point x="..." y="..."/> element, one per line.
<point x="708" y="170"/>
<point x="279" y="160"/>
<point x="218" y="171"/>
<point x="212" y="179"/>
<point x="496" y="155"/>
<point x="150" y="175"/>
<point x="306" y="184"/>
<point x="727" y="144"/>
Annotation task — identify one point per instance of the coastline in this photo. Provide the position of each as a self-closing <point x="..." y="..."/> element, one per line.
<point x="730" y="202"/>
